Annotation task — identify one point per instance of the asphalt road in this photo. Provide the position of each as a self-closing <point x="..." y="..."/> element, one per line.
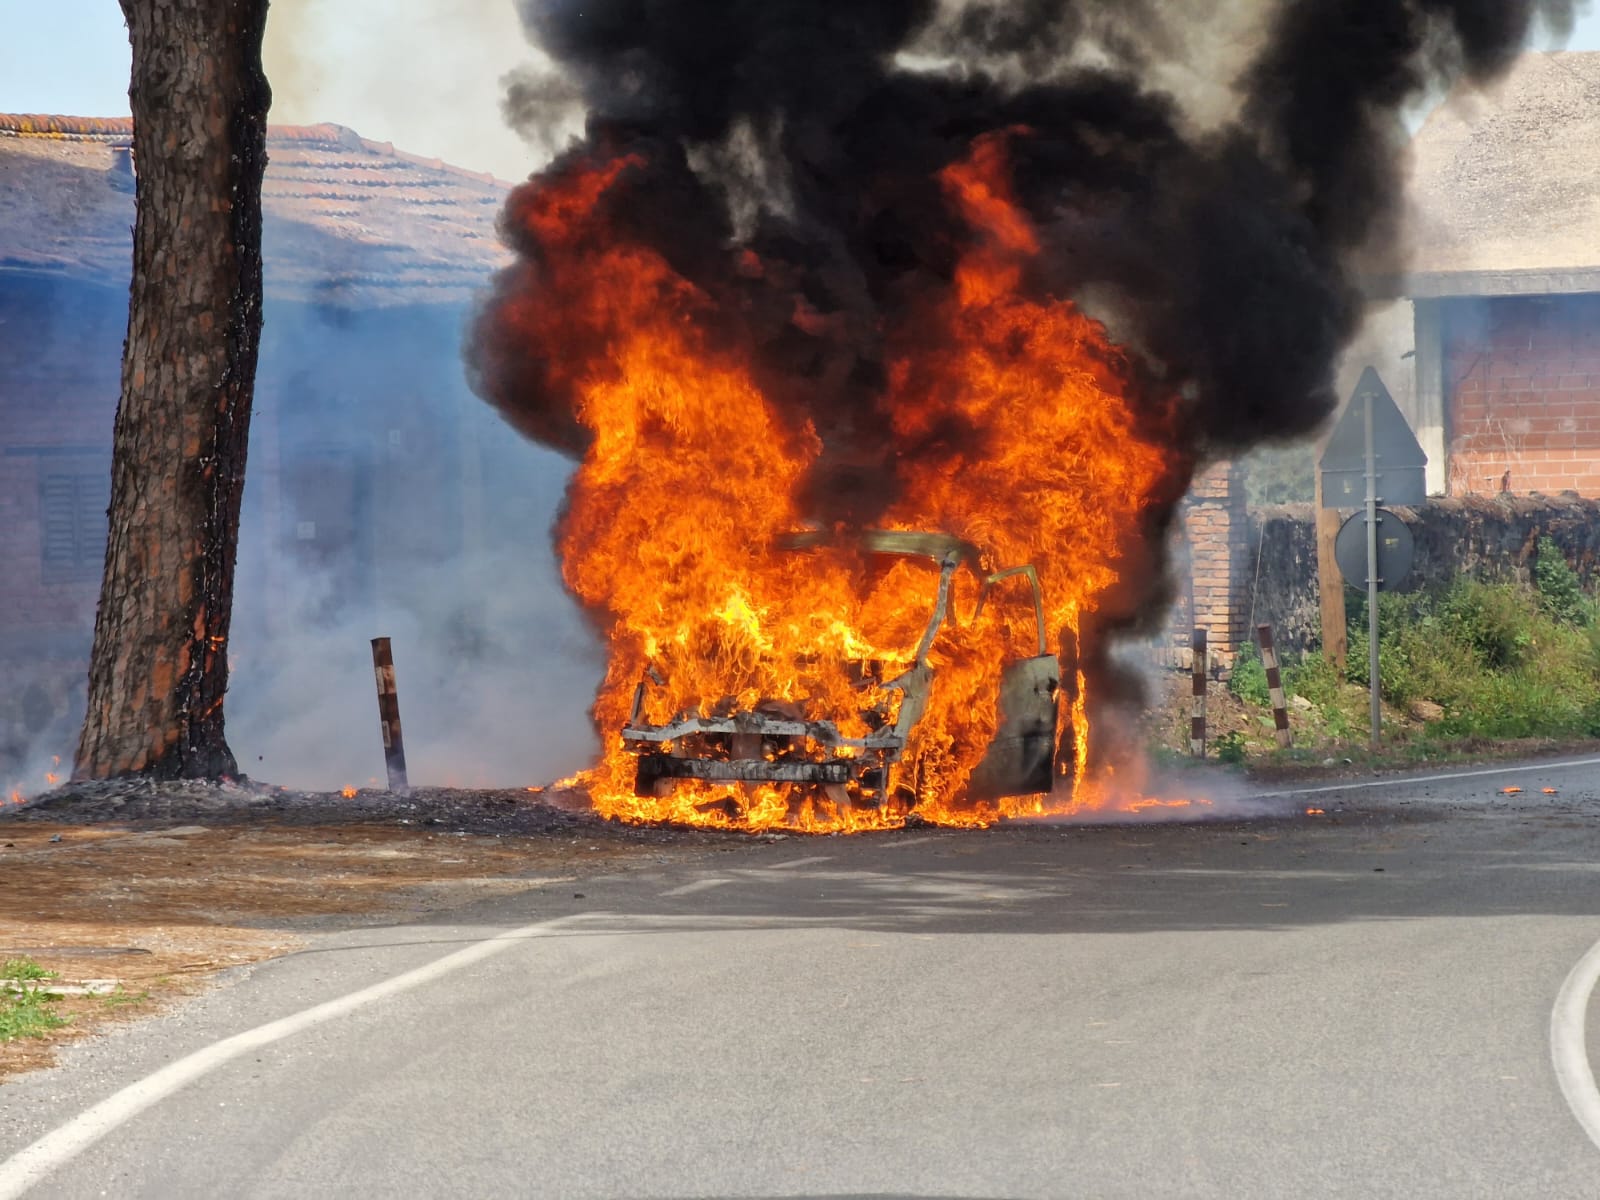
<point x="1355" y="1004"/>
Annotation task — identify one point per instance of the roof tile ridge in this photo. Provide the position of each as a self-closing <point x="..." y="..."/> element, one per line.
<point x="55" y="125"/>
<point x="389" y="150"/>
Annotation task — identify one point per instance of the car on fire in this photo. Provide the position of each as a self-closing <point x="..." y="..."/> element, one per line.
<point x="775" y="743"/>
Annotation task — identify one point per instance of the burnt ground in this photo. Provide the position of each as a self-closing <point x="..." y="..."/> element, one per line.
<point x="160" y="886"/>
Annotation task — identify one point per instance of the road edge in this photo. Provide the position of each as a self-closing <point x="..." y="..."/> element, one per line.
<point x="31" y="1165"/>
<point x="1569" y="1050"/>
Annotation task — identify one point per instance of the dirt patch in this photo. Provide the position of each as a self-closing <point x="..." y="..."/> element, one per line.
<point x="158" y="887"/>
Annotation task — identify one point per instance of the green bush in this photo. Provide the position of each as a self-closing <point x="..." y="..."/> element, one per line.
<point x="1497" y="658"/>
<point x="1230" y="748"/>
<point x="1248" y="681"/>
<point x="1313" y="677"/>
<point x="1560" y="592"/>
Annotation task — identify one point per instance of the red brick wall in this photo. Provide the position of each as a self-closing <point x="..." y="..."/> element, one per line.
<point x="1212" y="560"/>
<point x="1522" y="394"/>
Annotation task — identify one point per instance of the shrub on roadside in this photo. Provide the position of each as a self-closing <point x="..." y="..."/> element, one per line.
<point x="1560" y="591"/>
<point x="1502" y="660"/>
<point x="1248" y="680"/>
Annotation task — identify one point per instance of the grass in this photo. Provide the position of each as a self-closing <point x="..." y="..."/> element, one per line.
<point x="121" y="997"/>
<point x="27" y="1011"/>
<point x="23" y="970"/>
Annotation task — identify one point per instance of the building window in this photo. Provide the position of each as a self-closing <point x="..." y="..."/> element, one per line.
<point x="72" y="522"/>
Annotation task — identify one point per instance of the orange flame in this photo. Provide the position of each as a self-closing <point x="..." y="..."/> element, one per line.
<point x="690" y="475"/>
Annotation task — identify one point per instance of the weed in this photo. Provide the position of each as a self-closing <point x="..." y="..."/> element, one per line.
<point x="1496" y="657"/>
<point x="121" y="997"/>
<point x="1561" y="593"/>
<point x="1248" y="681"/>
<point x="1230" y="747"/>
<point x="26" y="1011"/>
<point x="1316" y="679"/>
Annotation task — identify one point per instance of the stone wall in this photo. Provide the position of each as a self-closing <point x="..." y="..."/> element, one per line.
<point x="1488" y="537"/>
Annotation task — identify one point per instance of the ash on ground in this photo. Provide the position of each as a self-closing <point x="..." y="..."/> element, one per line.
<point x="522" y="811"/>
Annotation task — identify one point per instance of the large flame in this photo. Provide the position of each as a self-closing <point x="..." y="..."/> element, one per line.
<point x="690" y="476"/>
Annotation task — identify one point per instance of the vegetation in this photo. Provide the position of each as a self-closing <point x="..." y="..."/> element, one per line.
<point x="25" y="1004"/>
<point x="1248" y="681"/>
<point x="1501" y="660"/>
<point x="1230" y="747"/>
<point x="1467" y="663"/>
<point x="23" y="970"/>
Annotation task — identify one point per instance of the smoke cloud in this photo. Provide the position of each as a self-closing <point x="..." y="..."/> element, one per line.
<point x="1219" y="182"/>
<point x="1220" y="228"/>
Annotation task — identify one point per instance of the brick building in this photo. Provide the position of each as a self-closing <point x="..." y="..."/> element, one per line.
<point x="1506" y="283"/>
<point x="1504" y="290"/>
<point x="369" y="459"/>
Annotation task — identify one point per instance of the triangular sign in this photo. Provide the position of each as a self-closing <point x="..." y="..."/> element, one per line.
<point x="1392" y="439"/>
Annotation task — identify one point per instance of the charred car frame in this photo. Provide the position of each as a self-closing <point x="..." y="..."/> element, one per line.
<point x="774" y="743"/>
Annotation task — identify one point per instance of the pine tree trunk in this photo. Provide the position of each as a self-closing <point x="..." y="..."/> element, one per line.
<point x="160" y="664"/>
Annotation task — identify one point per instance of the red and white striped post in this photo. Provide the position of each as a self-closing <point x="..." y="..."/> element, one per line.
<point x="1280" y="706"/>
<point x="1197" y="706"/>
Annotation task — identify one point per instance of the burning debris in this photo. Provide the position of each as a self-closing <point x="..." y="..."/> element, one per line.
<point x="840" y="269"/>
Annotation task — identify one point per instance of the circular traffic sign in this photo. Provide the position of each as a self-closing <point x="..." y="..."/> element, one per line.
<point x="1396" y="548"/>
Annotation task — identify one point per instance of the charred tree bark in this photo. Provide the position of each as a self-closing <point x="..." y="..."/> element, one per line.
<point x="160" y="668"/>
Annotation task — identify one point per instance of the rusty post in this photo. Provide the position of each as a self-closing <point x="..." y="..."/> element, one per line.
<point x="394" y="750"/>
<point x="1197" y="706"/>
<point x="1280" y="706"/>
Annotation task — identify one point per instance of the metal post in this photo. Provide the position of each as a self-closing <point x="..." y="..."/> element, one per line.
<point x="1280" y="706"/>
<point x="1372" y="571"/>
<point x="1197" y="706"/>
<point x="394" y="750"/>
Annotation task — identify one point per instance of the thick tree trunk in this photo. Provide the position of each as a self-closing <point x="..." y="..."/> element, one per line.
<point x="160" y="664"/>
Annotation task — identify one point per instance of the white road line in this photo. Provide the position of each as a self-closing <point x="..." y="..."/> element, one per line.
<point x="1569" y="1049"/>
<point x="798" y="862"/>
<point x="1404" y="780"/>
<point x="31" y="1165"/>
<point x="699" y="885"/>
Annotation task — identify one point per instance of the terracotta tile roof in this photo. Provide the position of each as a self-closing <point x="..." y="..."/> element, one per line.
<point x="1505" y="192"/>
<point x="347" y="220"/>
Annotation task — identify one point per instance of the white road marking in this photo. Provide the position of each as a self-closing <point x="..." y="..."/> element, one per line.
<point x="798" y="862"/>
<point x="1405" y="780"/>
<point x="30" y="1165"/>
<point x="699" y="885"/>
<point x="1569" y="1050"/>
<point x="898" y="843"/>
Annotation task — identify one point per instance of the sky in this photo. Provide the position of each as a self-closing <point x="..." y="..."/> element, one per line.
<point x="430" y="83"/>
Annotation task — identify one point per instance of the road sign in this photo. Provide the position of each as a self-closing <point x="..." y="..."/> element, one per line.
<point x="1373" y="454"/>
<point x="1396" y="549"/>
<point x="1398" y="457"/>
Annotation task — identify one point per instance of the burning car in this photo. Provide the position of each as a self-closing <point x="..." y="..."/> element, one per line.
<point x="775" y="742"/>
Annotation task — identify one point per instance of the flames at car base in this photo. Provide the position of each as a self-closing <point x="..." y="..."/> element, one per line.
<point x="764" y="672"/>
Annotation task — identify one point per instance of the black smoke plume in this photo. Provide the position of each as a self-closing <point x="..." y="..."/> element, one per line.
<point x="1227" y="257"/>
